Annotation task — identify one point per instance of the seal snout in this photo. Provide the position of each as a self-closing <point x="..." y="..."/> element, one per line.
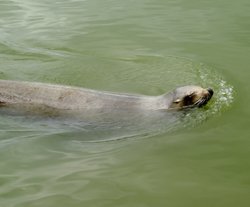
<point x="205" y="97"/>
<point x="210" y="91"/>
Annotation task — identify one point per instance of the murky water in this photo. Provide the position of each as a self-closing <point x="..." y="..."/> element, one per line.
<point x="199" y="158"/>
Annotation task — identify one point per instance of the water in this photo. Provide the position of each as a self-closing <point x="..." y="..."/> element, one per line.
<point x="199" y="159"/>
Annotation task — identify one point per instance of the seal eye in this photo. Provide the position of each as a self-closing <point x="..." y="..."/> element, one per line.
<point x="177" y="101"/>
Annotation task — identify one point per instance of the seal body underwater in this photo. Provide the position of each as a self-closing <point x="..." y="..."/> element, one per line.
<point x="28" y="94"/>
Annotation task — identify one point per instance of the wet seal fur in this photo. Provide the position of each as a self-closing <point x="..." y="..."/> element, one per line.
<point x="66" y="98"/>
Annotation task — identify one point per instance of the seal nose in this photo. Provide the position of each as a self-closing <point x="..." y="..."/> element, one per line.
<point x="210" y="91"/>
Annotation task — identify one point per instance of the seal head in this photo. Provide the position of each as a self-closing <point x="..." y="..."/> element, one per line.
<point x="190" y="96"/>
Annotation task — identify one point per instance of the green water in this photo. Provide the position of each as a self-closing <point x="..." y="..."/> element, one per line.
<point x="146" y="47"/>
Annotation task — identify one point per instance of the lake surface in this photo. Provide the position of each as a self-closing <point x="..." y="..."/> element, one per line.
<point x="200" y="158"/>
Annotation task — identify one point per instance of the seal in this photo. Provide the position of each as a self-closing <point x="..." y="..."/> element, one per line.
<point x="30" y="94"/>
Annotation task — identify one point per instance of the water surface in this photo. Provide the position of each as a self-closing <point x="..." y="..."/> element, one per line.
<point x="145" y="47"/>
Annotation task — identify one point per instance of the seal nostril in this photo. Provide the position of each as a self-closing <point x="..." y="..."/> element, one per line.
<point x="211" y="92"/>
